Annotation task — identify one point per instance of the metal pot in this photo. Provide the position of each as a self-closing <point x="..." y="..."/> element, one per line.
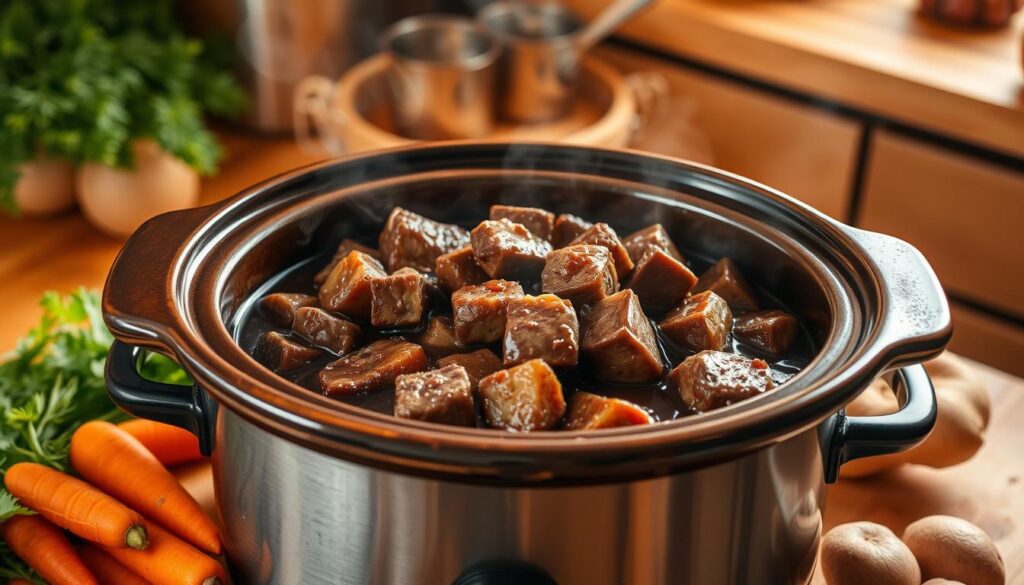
<point x="315" y="491"/>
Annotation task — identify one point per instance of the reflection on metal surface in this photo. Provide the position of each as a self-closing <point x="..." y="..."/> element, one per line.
<point x="753" y="520"/>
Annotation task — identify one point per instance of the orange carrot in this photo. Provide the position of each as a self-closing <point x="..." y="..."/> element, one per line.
<point x="42" y="546"/>
<point x="75" y="505"/>
<point x="18" y="582"/>
<point x="170" y="561"/>
<point x="106" y="568"/>
<point x="117" y="463"/>
<point x="171" y="445"/>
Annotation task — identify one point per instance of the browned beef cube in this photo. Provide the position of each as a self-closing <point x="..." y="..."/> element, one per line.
<point x="411" y="240"/>
<point x="344" y="248"/>
<point x="527" y="397"/>
<point x="542" y="327"/>
<point x="399" y="300"/>
<point x="702" y="322"/>
<point x="322" y="329"/>
<point x="660" y="280"/>
<point x="480" y="310"/>
<point x="725" y="278"/>
<point x="372" y="367"/>
<point x="713" y="379"/>
<point x="601" y="234"/>
<point x="458" y="269"/>
<point x="347" y="288"/>
<point x="652" y="237"/>
<point x="479" y="364"/>
<point x="773" y="332"/>
<point x="567" y="228"/>
<point x="442" y="396"/>
<point x="283" y="354"/>
<point x="439" y="338"/>
<point x="589" y="411"/>
<point x="583" y="274"/>
<point x="281" y="307"/>
<point x="619" y="341"/>
<point x="508" y="250"/>
<point x="539" y="221"/>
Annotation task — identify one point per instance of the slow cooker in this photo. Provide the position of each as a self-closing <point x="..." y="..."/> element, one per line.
<point x="311" y="490"/>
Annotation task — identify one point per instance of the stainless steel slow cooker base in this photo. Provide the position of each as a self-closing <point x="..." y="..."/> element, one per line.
<point x="311" y="519"/>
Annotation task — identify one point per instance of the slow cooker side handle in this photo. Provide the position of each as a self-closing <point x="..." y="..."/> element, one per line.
<point x="182" y="406"/>
<point x="854" y="437"/>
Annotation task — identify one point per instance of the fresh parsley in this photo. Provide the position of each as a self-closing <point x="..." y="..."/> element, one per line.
<point x="53" y="382"/>
<point x="81" y="79"/>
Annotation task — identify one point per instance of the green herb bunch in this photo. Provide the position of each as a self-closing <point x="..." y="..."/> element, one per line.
<point x="52" y="383"/>
<point x="81" y="79"/>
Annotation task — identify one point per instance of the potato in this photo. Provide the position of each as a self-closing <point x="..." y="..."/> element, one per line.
<point x="45" y="187"/>
<point x="117" y="201"/>
<point x="865" y="553"/>
<point x="955" y="549"/>
<point x="963" y="413"/>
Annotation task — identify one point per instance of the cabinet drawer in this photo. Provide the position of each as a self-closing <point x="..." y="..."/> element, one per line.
<point x="989" y="340"/>
<point x="804" y="152"/>
<point x="964" y="214"/>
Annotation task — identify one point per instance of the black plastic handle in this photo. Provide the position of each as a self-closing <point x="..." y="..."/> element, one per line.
<point x="504" y="573"/>
<point x="854" y="437"/>
<point x="182" y="406"/>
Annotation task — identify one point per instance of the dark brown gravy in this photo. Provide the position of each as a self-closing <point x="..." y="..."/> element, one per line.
<point x="662" y="403"/>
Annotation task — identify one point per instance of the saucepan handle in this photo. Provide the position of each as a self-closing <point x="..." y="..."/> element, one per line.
<point x="854" y="437"/>
<point x="182" y="406"/>
<point x="917" y="323"/>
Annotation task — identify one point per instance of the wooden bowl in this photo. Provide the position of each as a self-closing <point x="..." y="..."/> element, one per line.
<point x="354" y="114"/>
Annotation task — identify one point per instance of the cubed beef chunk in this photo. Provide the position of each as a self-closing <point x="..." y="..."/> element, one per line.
<point x="539" y="221"/>
<point x="372" y="367"/>
<point x="479" y="364"/>
<point x="411" y="240"/>
<point x="442" y="396"/>
<point x="773" y="332"/>
<point x="542" y="327"/>
<point x="601" y="234"/>
<point x="508" y="250"/>
<point x="589" y="411"/>
<point x="527" y="397"/>
<point x="344" y="248"/>
<point x="702" y="322"/>
<point x="660" y="281"/>
<point x="439" y="338"/>
<point x="653" y="237"/>
<point x="567" y="228"/>
<point x="324" y="330"/>
<point x="399" y="300"/>
<point x="458" y="269"/>
<point x="618" y="340"/>
<point x="480" y="310"/>
<point x="713" y="379"/>
<point x="347" y="288"/>
<point x="280" y="307"/>
<point x="582" y="274"/>
<point x="283" y="354"/>
<point x="725" y="278"/>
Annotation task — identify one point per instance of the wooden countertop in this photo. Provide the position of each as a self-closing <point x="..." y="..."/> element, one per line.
<point x="63" y="253"/>
<point x="877" y="56"/>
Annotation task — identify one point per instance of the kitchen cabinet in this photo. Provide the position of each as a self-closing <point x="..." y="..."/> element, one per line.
<point x="802" y="151"/>
<point x="996" y="342"/>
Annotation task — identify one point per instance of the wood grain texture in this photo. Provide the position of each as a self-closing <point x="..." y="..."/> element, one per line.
<point x="964" y="215"/>
<point x="799" y="150"/>
<point x="988" y="340"/>
<point x="875" y="55"/>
